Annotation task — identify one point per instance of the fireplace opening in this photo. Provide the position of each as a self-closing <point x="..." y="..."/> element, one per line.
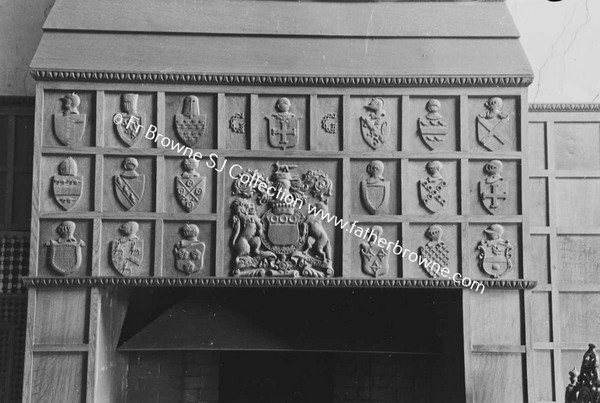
<point x="296" y="345"/>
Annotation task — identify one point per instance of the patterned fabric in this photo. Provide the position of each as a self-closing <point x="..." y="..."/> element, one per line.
<point x="14" y="263"/>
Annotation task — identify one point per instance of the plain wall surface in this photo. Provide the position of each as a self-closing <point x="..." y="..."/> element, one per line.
<point x="561" y="39"/>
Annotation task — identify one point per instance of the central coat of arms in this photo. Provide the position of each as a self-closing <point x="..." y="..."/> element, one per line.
<point x="69" y="125"/>
<point x="285" y="240"/>
<point x="130" y="127"/>
<point x="284" y="126"/>
<point x="190" y="124"/>
<point x="67" y="186"/>
<point x="375" y="190"/>
<point x="492" y="125"/>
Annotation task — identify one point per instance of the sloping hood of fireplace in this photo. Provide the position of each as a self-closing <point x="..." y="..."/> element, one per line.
<point x="271" y="42"/>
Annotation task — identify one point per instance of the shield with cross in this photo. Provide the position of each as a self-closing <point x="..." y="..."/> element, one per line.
<point x="283" y="130"/>
<point x="493" y="193"/>
<point x="493" y="132"/>
<point x="189" y="191"/>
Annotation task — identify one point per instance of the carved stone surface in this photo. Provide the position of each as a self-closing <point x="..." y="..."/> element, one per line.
<point x="435" y="250"/>
<point x="190" y="185"/>
<point x="493" y="189"/>
<point x="129" y="185"/>
<point x="127" y="252"/>
<point x="374" y="126"/>
<point x="495" y="253"/>
<point x="583" y="386"/>
<point x="375" y="190"/>
<point x="283" y="126"/>
<point x="237" y="123"/>
<point x="329" y="123"/>
<point x="432" y="128"/>
<point x="67" y="186"/>
<point x="70" y="124"/>
<point x="190" y="124"/>
<point x="189" y="252"/>
<point x="129" y="125"/>
<point x="64" y="254"/>
<point x="282" y="241"/>
<point x="492" y="125"/>
<point x="374" y="259"/>
<point x="432" y="188"/>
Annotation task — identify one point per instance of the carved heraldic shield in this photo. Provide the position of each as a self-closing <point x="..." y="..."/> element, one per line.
<point x="375" y="190"/>
<point x="432" y="188"/>
<point x="130" y="126"/>
<point x="190" y="124"/>
<point x="375" y="127"/>
<point x="493" y="189"/>
<point x="374" y="259"/>
<point x="129" y="185"/>
<point x="127" y="252"/>
<point x="67" y="186"/>
<point x="284" y="126"/>
<point x="435" y="251"/>
<point x="495" y="253"/>
<point x="432" y="128"/>
<point x="64" y="254"/>
<point x="190" y="185"/>
<point x="189" y="252"/>
<point x="69" y="125"/>
<point x="492" y="126"/>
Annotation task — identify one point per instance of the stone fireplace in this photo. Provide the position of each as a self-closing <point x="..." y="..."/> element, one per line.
<point x="163" y="268"/>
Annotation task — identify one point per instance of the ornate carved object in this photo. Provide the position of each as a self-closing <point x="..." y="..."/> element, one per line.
<point x="67" y="186"/>
<point x="282" y="241"/>
<point x="584" y="385"/>
<point x="495" y="253"/>
<point x="432" y="128"/>
<point x="374" y="126"/>
<point x="189" y="252"/>
<point x="190" y="124"/>
<point x="129" y="184"/>
<point x="329" y="123"/>
<point x="435" y="251"/>
<point x="432" y="188"/>
<point x="492" y="125"/>
<point x="237" y="123"/>
<point x="374" y="259"/>
<point x="375" y="190"/>
<point x="493" y="189"/>
<point x="127" y="252"/>
<point x="283" y="126"/>
<point x="130" y="126"/>
<point x="190" y="185"/>
<point x="64" y="254"/>
<point x="69" y="125"/>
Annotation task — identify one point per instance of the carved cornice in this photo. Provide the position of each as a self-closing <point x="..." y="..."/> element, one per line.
<point x="233" y="79"/>
<point x="564" y="107"/>
<point x="265" y="282"/>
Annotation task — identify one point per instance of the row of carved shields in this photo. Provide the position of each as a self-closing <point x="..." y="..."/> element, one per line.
<point x="494" y="258"/>
<point x="283" y="130"/>
<point x="126" y="252"/>
<point x="493" y="189"/>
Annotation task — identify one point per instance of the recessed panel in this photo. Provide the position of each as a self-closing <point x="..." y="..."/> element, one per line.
<point x="190" y="186"/>
<point x="433" y="243"/>
<point x="127" y="248"/>
<point x="579" y="318"/>
<point x="494" y="187"/>
<point x="577" y="145"/>
<point x="576" y="202"/>
<point x="432" y="125"/>
<point x="129" y="183"/>
<point x="188" y="249"/>
<point x="537" y="147"/>
<point x="374" y="124"/>
<point x="137" y="111"/>
<point x="496" y="318"/>
<point x="237" y="115"/>
<point x="495" y="251"/>
<point x="69" y="118"/>
<point x="493" y="124"/>
<point x="67" y="183"/>
<point x="283" y="123"/>
<point x="371" y="256"/>
<point x="190" y="120"/>
<point x="578" y="258"/>
<point x="433" y="187"/>
<point x="375" y="187"/>
<point x="329" y="124"/>
<point x="65" y="247"/>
